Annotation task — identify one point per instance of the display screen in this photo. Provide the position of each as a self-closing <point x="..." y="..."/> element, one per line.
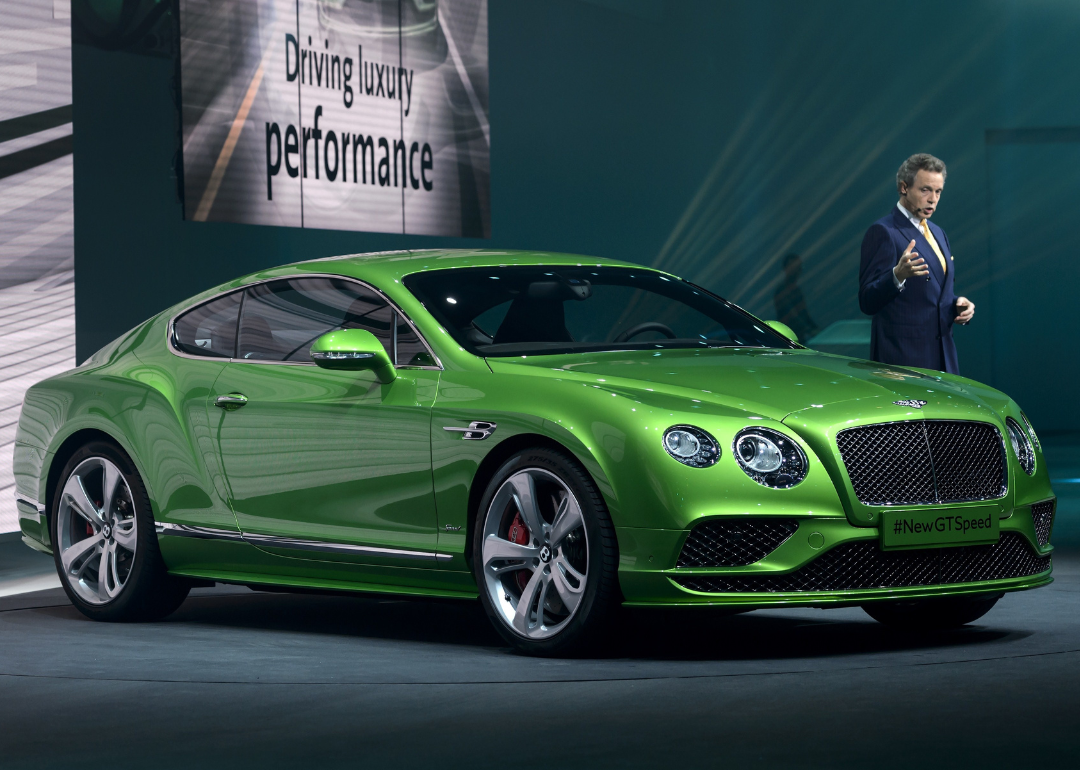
<point x="337" y="114"/>
<point x="37" y="217"/>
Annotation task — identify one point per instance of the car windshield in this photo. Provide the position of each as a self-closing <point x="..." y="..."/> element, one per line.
<point x="518" y="310"/>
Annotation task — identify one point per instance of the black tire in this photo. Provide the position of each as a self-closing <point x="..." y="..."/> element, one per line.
<point x="585" y="627"/>
<point x="149" y="592"/>
<point x="931" y="614"/>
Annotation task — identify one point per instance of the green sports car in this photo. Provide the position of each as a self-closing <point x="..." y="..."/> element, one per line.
<point x="556" y="434"/>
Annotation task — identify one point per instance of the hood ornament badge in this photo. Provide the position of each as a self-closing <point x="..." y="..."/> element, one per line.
<point x="912" y="402"/>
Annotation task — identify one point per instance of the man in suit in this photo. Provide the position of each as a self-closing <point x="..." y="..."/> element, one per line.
<point x="910" y="296"/>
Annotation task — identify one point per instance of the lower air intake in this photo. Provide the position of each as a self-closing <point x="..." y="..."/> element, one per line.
<point x="1042" y="514"/>
<point x="734" y="543"/>
<point x="861" y="565"/>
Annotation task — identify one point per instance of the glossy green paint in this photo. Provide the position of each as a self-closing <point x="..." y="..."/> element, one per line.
<point x="784" y="329"/>
<point x="329" y="455"/>
<point x="340" y="457"/>
<point x="353" y="350"/>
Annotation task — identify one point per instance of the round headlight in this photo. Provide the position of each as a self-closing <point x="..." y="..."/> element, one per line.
<point x="691" y="446"/>
<point x="759" y="453"/>
<point x="1021" y="445"/>
<point x="1034" y="438"/>
<point x="770" y="458"/>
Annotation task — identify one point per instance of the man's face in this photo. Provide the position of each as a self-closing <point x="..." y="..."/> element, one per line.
<point x="921" y="199"/>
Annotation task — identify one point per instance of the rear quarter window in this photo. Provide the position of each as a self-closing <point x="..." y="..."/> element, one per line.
<point x="209" y="330"/>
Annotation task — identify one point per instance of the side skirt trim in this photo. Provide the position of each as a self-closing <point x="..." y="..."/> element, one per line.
<point x="203" y="533"/>
<point x="297" y="544"/>
<point x="273" y="541"/>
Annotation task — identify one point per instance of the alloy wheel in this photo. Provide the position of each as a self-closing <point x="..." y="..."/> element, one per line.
<point x="96" y="530"/>
<point x="535" y="553"/>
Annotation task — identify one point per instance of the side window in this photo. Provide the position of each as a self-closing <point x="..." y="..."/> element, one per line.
<point x="209" y="330"/>
<point x="281" y="319"/>
<point x="410" y="350"/>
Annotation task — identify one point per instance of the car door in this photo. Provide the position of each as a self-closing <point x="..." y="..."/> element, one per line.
<point x="325" y="464"/>
<point x="193" y="500"/>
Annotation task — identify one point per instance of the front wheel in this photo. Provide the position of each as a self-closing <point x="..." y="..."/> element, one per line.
<point x="932" y="614"/>
<point x="544" y="554"/>
<point x="104" y="542"/>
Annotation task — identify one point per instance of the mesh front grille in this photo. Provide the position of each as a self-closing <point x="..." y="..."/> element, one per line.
<point x="924" y="461"/>
<point x="888" y="463"/>
<point x="969" y="460"/>
<point x="734" y="543"/>
<point x="1042" y="514"/>
<point x="861" y="565"/>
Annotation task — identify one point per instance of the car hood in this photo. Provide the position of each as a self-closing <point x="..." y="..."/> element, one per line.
<point x="772" y="383"/>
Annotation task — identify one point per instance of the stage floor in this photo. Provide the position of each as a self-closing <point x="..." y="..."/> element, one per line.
<point x="242" y="679"/>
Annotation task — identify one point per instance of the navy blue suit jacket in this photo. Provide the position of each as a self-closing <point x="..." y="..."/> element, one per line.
<point x="912" y="327"/>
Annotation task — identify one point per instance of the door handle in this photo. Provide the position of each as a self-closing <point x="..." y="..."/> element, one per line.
<point x="231" y="402"/>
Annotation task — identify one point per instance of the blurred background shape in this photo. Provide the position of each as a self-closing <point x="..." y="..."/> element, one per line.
<point x="37" y="296"/>
<point x="847" y="337"/>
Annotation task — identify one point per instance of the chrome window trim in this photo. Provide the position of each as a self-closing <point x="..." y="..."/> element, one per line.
<point x="1001" y="442"/>
<point x="172" y="322"/>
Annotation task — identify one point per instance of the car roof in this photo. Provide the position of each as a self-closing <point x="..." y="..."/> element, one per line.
<point x="385" y="269"/>
<point x="397" y="264"/>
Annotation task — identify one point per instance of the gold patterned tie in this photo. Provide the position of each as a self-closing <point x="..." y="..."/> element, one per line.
<point x="933" y="244"/>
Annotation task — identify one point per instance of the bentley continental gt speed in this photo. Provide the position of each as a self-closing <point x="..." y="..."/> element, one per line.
<point x="557" y="435"/>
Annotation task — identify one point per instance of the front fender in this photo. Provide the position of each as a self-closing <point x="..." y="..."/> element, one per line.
<point x="617" y="434"/>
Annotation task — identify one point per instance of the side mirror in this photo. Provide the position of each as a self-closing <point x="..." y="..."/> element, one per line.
<point x="353" y="349"/>
<point x="784" y="329"/>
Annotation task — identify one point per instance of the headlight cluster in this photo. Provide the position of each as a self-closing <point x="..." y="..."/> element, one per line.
<point x="691" y="446"/>
<point x="1034" y="438"/>
<point x="767" y="456"/>
<point x="770" y="458"/>
<point x="1021" y="445"/>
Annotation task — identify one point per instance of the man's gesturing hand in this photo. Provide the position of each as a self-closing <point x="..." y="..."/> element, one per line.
<point x="965" y="310"/>
<point x="910" y="264"/>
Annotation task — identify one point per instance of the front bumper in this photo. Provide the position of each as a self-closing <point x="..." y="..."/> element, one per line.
<point x="648" y="576"/>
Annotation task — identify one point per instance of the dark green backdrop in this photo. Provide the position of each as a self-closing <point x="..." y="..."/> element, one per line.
<point x="702" y="136"/>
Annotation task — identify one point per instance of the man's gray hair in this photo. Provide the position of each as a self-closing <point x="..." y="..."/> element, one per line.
<point x="920" y="161"/>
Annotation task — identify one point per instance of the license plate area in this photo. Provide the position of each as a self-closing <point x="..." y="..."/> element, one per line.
<point x="939" y="527"/>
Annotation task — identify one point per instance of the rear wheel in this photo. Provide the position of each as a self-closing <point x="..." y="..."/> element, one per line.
<point x="544" y="554"/>
<point x="929" y="614"/>
<point x="104" y="543"/>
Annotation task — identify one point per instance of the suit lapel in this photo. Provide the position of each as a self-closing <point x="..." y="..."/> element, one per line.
<point x="926" y="251"/>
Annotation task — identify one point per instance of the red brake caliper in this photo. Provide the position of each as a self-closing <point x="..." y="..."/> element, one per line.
<point x="519" y="534"/>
